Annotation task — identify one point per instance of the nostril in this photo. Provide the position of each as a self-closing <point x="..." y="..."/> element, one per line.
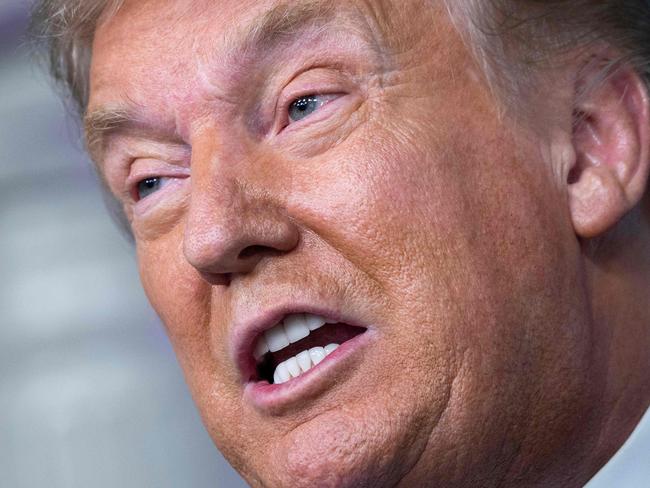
<point x="237" y="245"/>
<point x="251" y="251"/>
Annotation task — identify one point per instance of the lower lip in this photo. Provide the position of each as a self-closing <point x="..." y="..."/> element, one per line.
<point x="272" y="398"/>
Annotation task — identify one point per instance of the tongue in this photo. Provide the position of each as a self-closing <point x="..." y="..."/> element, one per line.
<point x="328" y="334"/>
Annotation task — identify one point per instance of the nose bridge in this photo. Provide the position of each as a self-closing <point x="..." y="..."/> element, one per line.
<point x="231" y="223"/>
<point x="215" y="195"/>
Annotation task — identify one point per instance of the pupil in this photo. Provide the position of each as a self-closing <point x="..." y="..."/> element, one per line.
<point x="148" y="186"/>
<point x="303" y="107"/>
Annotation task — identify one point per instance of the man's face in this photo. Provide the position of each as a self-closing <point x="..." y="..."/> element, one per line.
<point x="345" y="160"/>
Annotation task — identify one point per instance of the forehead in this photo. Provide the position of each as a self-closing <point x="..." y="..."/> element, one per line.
<point x="171" y="66"/>
<point x="173" y="34"/>
<point x="158" y="54"/>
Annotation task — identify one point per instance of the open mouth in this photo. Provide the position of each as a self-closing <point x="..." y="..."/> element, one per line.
<point x="297" y="344"/>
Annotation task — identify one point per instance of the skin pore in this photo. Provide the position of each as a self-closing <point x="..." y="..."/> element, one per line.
<point x="402" y="199"/>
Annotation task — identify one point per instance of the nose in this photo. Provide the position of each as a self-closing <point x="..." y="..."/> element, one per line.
<point x="230" y="229"/>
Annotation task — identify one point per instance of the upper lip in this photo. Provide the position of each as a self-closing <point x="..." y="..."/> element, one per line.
<point x="248" y="330"/>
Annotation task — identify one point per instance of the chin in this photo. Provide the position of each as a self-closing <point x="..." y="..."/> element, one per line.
<point x="350" y="446"/>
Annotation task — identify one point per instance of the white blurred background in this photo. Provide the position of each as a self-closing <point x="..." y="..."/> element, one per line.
<point x="90" y="393"/>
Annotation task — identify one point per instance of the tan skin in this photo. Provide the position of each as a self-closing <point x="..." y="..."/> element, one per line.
<point x="497" y="344"/>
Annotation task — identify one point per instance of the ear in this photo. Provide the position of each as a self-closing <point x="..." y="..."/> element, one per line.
<point x="610" y="138"/>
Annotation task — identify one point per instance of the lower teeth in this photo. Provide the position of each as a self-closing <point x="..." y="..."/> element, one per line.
<point x="300" y="364"/>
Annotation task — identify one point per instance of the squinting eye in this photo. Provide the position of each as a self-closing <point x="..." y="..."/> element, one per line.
<point x="305" y="106"/>
<point x="147" y="187"/>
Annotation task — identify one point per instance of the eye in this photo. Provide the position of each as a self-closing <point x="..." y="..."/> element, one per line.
<point x="148" y="186"/>
<point x="306" y="105"/>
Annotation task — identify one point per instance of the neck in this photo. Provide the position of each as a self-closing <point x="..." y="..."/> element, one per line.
<point x="619" y="275"/>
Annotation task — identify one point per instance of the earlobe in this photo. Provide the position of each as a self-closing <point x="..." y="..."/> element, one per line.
<point x="611" y="140"/>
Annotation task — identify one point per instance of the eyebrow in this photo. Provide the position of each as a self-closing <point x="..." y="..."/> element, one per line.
<point x="103" y="121"/>
<point x="280" y="24"/>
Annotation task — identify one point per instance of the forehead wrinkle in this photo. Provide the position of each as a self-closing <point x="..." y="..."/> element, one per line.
<point x="280" y="26"/>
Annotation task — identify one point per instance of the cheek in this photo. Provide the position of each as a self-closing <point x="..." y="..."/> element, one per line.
<point x="169" y="281"/>
<point x="190" y="313"/>
<point x="181" y="299"/>
<point x="475" y="250"/>
<point x="161" y="215"/>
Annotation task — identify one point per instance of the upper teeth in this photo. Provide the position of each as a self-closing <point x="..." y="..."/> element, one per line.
<point x="291" y="329"/>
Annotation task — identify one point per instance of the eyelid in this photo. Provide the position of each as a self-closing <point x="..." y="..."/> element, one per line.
<point x="324" y="78"/>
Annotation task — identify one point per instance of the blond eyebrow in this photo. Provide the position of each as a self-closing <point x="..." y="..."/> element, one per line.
<point x="103" y="121"/>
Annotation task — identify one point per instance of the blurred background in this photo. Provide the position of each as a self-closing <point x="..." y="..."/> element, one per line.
<point x="90" y="392"/>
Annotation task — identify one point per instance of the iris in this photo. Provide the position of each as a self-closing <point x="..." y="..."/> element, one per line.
<point x="305" y="106"/>
<point x="148" y="186"/>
